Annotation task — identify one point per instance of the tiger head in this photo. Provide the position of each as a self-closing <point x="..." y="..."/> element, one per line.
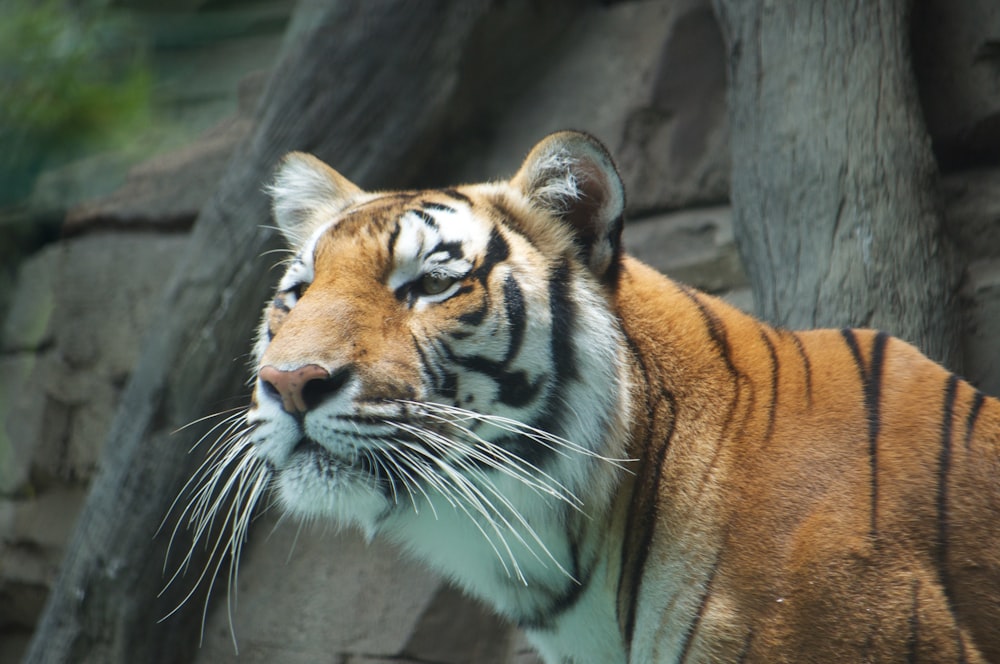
<point x="446" y="351"/>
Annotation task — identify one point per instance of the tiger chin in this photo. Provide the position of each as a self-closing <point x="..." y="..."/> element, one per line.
<point x="627" y="468"/>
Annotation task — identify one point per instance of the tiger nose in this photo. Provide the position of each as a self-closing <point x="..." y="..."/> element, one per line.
<point x="304" y="388"/>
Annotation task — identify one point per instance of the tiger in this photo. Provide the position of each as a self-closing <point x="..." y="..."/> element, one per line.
<point x="626" y="468"/>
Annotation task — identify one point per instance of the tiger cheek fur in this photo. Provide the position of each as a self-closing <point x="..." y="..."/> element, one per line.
<point x="627" y="468"/>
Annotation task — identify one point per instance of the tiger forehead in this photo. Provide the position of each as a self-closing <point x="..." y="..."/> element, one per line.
<point x="407" y="226"/>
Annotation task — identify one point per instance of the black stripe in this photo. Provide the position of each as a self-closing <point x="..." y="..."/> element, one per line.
<point x="699" y="615"/>
<point x="962" y="657"/>
<point x="649" y="514"/>
<point x="944" y="467"/>
<point x="871" y="383"/>
<point x="720" y="338"/>
<point x="913" y="639"/>
<point x="445" y="382"/>
<point x="406" y="293"/>
<point x="425" y="217"/>
<point x="476" y="316"/>
<point x="563" y="314"/>
<point x="852" y="343"/>
<point x="279" y="303"/>
<point x="574" y="587"/>
<point x="516" y="319"/>
<point x="452" y="248"/>
<point x="449" y="384"/>
<point x="806" y="367"/>
<point x="457" y="195"/>
<point x="440" y="207"/>
<point x="970" y="421"/>
<point x="745" y="651"/>
<point x="429" y="367"/>
<point x="775" y="377"/>
<point x="873" y="398"/>
<point x="515" y="388"/>
<point x="561" y="601"/>
<point x="643" y="508"/>
<point x="497" y="250"/>
<point x="393" y="238"/>
<point x="716" y="331"/>
<point x="613" y="237"/>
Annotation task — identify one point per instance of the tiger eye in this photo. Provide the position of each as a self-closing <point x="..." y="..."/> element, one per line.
<point x="433" y="284"/>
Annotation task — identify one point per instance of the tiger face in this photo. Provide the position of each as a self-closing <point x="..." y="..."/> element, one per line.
<point x="445" y="353"/>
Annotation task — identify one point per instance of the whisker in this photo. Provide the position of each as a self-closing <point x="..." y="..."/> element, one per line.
<point x="239" y="410"/>
<point x="503" y="461"/>
<point x="482" y="504"/>
<point x="436" y="440"/>
<point x="513" y="426"/>
<point x="448" y="492"/>
<point x="220" y="497"/>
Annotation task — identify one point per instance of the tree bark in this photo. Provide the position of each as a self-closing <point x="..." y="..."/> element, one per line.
<point x="372" y="116"/>
<point x="834" y="185"/>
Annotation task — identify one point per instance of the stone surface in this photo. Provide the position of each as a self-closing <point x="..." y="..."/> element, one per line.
<point x="74" y="318"/>
<point x="164" y="193"/>
<point x="629" y="74"/>
<point x="982" y="325"/>
<point x="695" y="247"/>
<point x="33" y="534"/>
<point x="973" y="211"/>
<point x="674" y="149"/>
<point x="317" y="595"/>
<point x="75" y="325"/>
<point x="957" y="61"/>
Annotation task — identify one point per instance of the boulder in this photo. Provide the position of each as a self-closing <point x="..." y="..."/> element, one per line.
<point x="957" y="62"/>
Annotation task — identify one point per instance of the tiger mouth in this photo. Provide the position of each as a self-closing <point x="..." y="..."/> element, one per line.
<point x="311" y="448"/>
<point x="330" y="461"/>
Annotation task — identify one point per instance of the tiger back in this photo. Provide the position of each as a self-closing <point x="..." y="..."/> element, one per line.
<point x="828" y="495"/>
<point x="627" y="468"/>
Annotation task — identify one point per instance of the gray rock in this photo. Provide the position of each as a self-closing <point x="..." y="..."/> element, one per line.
<point x="972" y="203"/>
<point x="164" y="193"/>
<point x="72" y="336"/>
<point x="674" y="151"/>
<point x="982" y="324"/>
<point x="695" y="247"/>
<point x="957" y="61"/>
<point x="647" y="79"/>
<point x="308" y="595"/>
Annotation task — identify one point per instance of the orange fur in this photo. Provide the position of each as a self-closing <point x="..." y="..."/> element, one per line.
<point x="768" y="473"/>
<point x="819" y="496"/>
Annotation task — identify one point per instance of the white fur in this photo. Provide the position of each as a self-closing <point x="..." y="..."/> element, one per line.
<point x="306" y="193"/>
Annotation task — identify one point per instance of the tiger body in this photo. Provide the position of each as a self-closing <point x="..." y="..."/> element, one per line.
<point x="808" y="489"/>
<point x="627" y="468"/>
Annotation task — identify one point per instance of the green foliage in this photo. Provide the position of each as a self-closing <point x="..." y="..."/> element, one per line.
<point x="72" y="77"/>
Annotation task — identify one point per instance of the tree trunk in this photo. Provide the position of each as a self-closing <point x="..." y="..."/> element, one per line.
<point x="370" y="115"/>
<point x="834" y="186"/>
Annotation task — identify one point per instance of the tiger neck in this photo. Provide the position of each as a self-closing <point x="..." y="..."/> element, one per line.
<point x="552" y="569"/>
<point x="591" y="564"/>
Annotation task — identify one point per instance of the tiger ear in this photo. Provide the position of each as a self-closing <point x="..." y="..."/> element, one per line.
<point x="305" y="193"/>
<point x="571" y="175"/>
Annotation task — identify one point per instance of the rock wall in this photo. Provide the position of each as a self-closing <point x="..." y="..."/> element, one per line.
<point x="648" y="78"/>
